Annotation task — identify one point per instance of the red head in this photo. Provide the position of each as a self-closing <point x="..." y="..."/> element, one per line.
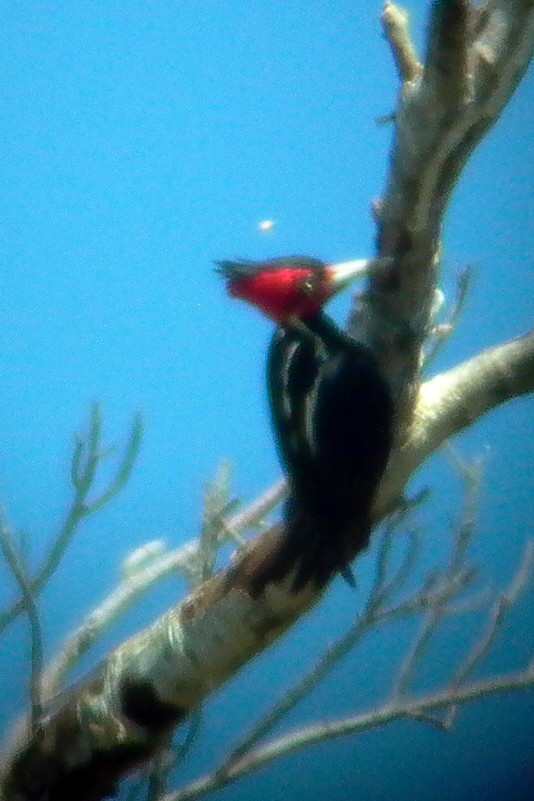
<point x="285" y="288"/>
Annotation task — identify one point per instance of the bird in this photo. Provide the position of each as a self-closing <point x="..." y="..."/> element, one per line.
<point x="331" y="413"/>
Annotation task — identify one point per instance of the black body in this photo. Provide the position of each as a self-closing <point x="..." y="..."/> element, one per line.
<point x="332" y="418"/>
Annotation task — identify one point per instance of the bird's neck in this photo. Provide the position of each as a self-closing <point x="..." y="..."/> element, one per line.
<point x="321" y="327"/>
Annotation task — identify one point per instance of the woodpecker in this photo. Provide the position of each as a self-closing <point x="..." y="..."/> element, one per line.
<point x="331" y="414"/>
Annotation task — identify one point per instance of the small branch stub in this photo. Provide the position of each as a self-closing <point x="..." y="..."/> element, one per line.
<point x="395" y="22"/>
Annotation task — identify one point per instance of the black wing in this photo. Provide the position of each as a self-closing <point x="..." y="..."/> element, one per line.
<point x="352" y="422"/>
<point x="292" y="369"/>
<point x="332" y="418"/>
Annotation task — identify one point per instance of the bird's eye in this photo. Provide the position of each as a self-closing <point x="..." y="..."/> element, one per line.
<point x="307" y="285"/>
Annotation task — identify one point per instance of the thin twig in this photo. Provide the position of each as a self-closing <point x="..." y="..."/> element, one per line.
<point x="442" y="332"/>
<point x="455" y="577"/>
<point x="386" y="589"/>
<point x="83" y="473"/>
<point x="255" y="512"/>
<point x="36" y="638"/>
<point x="396" y="29"/>
<point x="217" y="505"/>
<point x="498" y="613"/>
<point x="411" y="708"/>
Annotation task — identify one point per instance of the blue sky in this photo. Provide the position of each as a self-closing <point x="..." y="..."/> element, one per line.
<point x="141" y="141"/>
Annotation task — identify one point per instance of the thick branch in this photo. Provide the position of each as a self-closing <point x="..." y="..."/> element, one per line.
<point x="454" y="400"/>
<point x="475" y="58"/>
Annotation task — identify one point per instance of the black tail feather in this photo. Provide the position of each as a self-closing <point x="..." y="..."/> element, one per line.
<point x="314" y="551"/>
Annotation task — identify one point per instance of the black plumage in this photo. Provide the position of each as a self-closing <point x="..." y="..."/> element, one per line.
<point x="332" y="419"/>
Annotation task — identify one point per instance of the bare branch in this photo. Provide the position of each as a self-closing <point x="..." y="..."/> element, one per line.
<point x="413" y="708"/>
<point x="439" y="334"/>
<point x="217" y="505"/>
<point x="396" y="28"/>
<point x="454" y="400"/>
<point x="87" y="456"/>
<point x="36" y="640"/>
<point x="256" y="512"/>
<point x="474" y="61"/>
<point x="499" y="611"/>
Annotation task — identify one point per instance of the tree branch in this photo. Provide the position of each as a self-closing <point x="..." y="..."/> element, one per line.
<point x="18" y="570"/>
<point x="411" y="708"/>
<point x="452" y="401"/>
<point x="86" y="459"/>
<point x="475" y="59"/>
